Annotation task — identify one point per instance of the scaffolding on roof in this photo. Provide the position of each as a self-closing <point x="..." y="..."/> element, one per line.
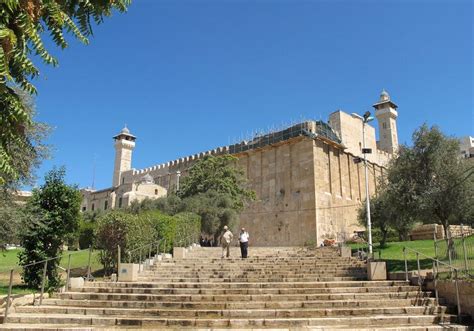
<point x="310" y="129"/>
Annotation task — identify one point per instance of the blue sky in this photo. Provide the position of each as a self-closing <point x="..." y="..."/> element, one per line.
<point x="188" y="76"/>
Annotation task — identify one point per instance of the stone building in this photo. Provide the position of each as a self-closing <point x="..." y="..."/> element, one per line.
<point x="308" y="186"/>
<point x="466" y="145"/>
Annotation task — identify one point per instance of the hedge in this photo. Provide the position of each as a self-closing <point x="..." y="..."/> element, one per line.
<point x="133" y="232"/>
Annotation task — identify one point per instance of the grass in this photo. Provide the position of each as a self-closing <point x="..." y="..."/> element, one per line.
<point x="392" y="253"/>
<point x="9" y="260"/>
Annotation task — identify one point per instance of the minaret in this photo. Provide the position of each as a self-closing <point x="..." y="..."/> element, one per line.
<point x="386" y="113"/>
<point x="124" y="145"/>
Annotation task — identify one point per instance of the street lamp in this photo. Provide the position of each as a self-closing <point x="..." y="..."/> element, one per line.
<point x="366" y="118"/>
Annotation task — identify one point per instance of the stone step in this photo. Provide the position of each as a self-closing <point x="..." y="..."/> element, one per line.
<point x="216" y="291"/>
<point x="252" y="275"/>
<point x="285" y="266"/>
<point x="248" y="279"/>
<point x="257" y="270"/>
<point x="347" y="321"/>
<point x="365" y="283"/>
<point x="62" y="327"/>
<point x="233" y="313"/>
<point x="307" y="270"/>
<point x="237" y="297"/>
<point x="348" y="303"/>
<point x="263" y="261"/>
<point x="288" y="288"/>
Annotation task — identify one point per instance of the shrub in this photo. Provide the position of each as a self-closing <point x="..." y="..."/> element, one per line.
<point x="53" y="214"/>
<point x="112" y="229"/>
<point x="164" y="227"/>
<point x="188" y="226"/>
<point x="86" y="234"/>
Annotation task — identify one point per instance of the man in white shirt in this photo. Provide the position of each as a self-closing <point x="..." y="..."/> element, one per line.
<point x="244" y="243"/>
<point x="226" y="239"/>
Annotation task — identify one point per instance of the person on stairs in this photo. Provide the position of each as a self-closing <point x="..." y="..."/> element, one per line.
<point x="226" y="239"/>
<point x="244" y="243"/>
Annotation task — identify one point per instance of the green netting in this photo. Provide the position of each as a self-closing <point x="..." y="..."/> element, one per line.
<point x="310" y="129"/>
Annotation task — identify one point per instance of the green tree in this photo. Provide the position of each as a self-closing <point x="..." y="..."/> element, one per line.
<point x="379" y="216"/>
<point x="26" y="160"/>
<point x="171" y="205"/>
<point x="220" y="174"/>
<point x="385" y="216"/>
<point x="111" y="232"/>
<point x="215" y="209"/>
<point x="11" y="219"/>
<point x="53" y="214"/>
<point x="430" y="182"/>
<point x="22" y="27"/>
<point x="215" y="189"/>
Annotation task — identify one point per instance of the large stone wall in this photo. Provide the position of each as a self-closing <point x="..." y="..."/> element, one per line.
<point x="307" y="190"/>
<point x="283" y="178"/>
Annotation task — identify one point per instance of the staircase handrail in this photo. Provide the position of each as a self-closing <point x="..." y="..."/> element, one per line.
<point x="49" y="259"/>
<point x="43" y="281"/>
<point x="186" y="240"/>
<point x="155" y="242"/>
<point x="435" y="268"/>
<point x="429" y="257"/>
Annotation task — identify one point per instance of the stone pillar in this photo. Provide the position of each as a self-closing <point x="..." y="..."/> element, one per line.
<point x="179" y="253"/>
<point x="376" y="270"/>
<point x="128" y="272"/>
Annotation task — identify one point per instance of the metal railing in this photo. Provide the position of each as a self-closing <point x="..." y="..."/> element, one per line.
<point x="154" y="247"/>
<point x="435" y="268"/>
<point x="45" y="269"/>
<point x="456" y="251"/>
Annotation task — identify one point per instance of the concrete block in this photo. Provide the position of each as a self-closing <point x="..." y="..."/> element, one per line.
<point x="76" y="282"/>
<point x="128" y="272"/>
<point x="345" y="251"/>
<point x="113" y="277"/>
<point x="179" y="253"/>
<point x="377" y="270"/>
<point x="168" y="256"/>
<point x="159" y="257"/>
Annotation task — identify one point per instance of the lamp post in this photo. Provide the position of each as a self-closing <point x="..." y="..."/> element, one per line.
<point x="366" y="118"/>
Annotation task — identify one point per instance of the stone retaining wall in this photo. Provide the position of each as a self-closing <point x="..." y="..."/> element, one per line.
<point x="447" y="290"/>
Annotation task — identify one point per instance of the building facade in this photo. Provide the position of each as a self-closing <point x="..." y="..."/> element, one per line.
<point x="466" y="145"/>
<point x="308" y="186"/>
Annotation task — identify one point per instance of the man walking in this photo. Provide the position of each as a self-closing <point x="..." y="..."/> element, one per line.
<point x="226" y="239"/>
<point x="244" y="243"/>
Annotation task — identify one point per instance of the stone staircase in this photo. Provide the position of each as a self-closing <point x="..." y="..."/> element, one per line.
<point x="275" y="288"/>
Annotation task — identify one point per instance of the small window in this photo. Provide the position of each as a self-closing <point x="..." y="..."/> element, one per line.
<point x="106" y="204"/>
<point x="384" y="125"/>
<point x="84" y="208"/>
<point x="123" y="180"/>
<point x="156" y="191"/>
<point x="92" y="208"/>
<point x="120" y="202"/>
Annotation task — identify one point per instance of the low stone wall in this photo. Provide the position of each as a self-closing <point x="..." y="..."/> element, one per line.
<point x="447" y="290"/>
<point x="427" y="231"/>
